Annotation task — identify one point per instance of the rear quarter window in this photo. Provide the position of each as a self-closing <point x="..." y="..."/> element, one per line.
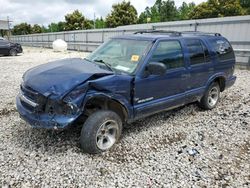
<point x="223" y="49"/>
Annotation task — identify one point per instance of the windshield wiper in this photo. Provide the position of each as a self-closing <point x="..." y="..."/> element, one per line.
<point x="106" y="64"/>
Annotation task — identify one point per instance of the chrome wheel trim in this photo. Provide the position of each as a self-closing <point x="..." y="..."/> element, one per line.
<point x="213" y="96"/>
<point x="107" y="134"/>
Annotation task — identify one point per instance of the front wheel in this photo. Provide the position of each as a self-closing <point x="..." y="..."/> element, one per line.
<point x="101" y="131"/>
<point x="13" y="52"/>
<point x="211" y="97"/>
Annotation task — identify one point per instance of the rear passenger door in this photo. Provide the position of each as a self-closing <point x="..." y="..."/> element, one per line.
<point x="200" y="65"/>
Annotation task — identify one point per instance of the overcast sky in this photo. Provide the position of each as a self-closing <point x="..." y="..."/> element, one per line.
<point x="44" y="12"/>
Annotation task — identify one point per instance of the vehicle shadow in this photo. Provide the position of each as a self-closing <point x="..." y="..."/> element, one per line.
<point x="60" y="141"/>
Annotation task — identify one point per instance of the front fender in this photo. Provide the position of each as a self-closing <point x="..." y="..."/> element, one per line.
<point x="116" y="97"/>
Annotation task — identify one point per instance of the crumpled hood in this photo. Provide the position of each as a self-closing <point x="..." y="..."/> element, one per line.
<point x="61" y="76"/>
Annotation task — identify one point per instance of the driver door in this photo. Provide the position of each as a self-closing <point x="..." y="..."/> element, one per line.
<point x="155" y="93"/>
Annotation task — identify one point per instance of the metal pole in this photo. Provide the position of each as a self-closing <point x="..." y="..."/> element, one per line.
<point x="94" y="20"/>
<point x="8" y="21"/>
<point x="196" y="26"/>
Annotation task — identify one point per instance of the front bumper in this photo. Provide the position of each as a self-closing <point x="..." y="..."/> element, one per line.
<point x="43" y="120"/>
<point x="230" y="82"/>
<point x="19" y="49"/>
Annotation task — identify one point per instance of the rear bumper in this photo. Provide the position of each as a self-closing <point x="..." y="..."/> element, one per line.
<point x="230" y="82"/>
<point x="44" y="120"/>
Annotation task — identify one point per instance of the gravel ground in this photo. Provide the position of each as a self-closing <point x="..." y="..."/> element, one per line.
<point x="186" y="147"/>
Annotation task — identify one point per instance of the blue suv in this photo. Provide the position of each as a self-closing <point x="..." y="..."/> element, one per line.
<point x="127" y="78"/>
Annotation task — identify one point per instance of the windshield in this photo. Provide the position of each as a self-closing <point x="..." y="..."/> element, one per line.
<point x="121" y="54"/>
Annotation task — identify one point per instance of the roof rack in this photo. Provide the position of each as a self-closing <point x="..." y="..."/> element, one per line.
<point x="200" y="33"/>
<point x="159" y="31"/>
<point x="177" y="33"/>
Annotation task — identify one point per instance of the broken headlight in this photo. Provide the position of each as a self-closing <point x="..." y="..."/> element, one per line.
<point x="61" y="108"/>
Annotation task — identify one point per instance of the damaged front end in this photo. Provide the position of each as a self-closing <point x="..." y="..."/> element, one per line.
<point x="50" y="112"/>
<point x="51" y="95"/>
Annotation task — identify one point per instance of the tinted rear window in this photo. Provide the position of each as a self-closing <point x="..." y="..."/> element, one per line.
<point x="223" y="49"/>
<point x="197" y="51"/>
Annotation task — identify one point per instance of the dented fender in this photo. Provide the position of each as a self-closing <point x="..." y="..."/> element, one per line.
<point x="114" y="87"/>
<point x="118" y="98"/>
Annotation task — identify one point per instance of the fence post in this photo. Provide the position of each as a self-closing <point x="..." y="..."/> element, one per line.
<point x="102" y="36"/>
<point x="74" y="41"/>
<point x="86" y="41"/>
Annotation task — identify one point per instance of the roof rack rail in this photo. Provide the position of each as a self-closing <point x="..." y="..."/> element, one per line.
<point x="176" y="32"/>
<point x="200" y="33"/>
<point x="158" y="31"/>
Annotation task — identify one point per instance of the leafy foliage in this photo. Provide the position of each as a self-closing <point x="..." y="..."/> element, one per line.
<point x="100" y="23"/>
<point x="56" y="27"/>
<point x="163" y="11"/>
<point x="76" y="21"/>
<point x="185" y="10"/>
<point x="245" y="5"/>
<point x="36" y="29"/>
<point x="217" y="8"/>
<point x="168" y="11"/>
<point x="22" y="29"/>
<point x="122" y="14"/>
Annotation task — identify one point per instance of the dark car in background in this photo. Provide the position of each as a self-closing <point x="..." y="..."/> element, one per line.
<point x="9" y="48"/>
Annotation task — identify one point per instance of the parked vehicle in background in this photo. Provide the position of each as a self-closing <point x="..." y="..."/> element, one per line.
<point x="9" y="48"/>
<point x="126" y="79"/>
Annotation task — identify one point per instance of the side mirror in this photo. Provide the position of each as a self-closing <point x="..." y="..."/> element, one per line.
<point x="156" y="68"/>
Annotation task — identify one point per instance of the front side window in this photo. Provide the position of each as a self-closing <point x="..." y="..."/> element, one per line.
<point x="170" y="53"/>
<point x="121" y="54"/>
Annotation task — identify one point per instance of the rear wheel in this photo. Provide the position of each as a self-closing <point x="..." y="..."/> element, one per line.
<point x="13" y="52"/>
<point x="211" y="97"/>
<point x="101" y="131"/>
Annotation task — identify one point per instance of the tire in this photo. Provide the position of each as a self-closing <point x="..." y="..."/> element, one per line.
<point x="13" y="52"/>
<point x="100" y="132"/>
<point x="211" y="97"/>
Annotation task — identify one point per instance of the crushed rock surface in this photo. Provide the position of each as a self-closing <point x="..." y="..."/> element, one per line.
<point x="185" y="147"/>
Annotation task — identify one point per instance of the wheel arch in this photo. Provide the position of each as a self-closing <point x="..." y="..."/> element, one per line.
<point x="220" y="79"/>
<point x="107" y="102"/>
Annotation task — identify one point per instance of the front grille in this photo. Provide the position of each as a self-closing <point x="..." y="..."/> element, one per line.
<point x="28" y="92"/>
<point x="33" y="96"/>
<point x="27" y="106"/>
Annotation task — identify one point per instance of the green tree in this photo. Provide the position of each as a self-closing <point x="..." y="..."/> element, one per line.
<point x="56" y="27"/>
<point x="230" y="8"/>
<point x="245" y="5"/>
<point x="53" y="27"/>
<point x="36" y="29"/>
<point x="143" y="18"/>
<point x="161" y="11"/>
<point x="217" y="8"/>
<point x="122" y="14"/>
<point x="100" y="23"/>
<point x="22" y="29"/>
<point x="61" y="26"/>
<point x="76" y="21"/>
<point x="185" y="10"/>
<point x="168" y="11"/>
